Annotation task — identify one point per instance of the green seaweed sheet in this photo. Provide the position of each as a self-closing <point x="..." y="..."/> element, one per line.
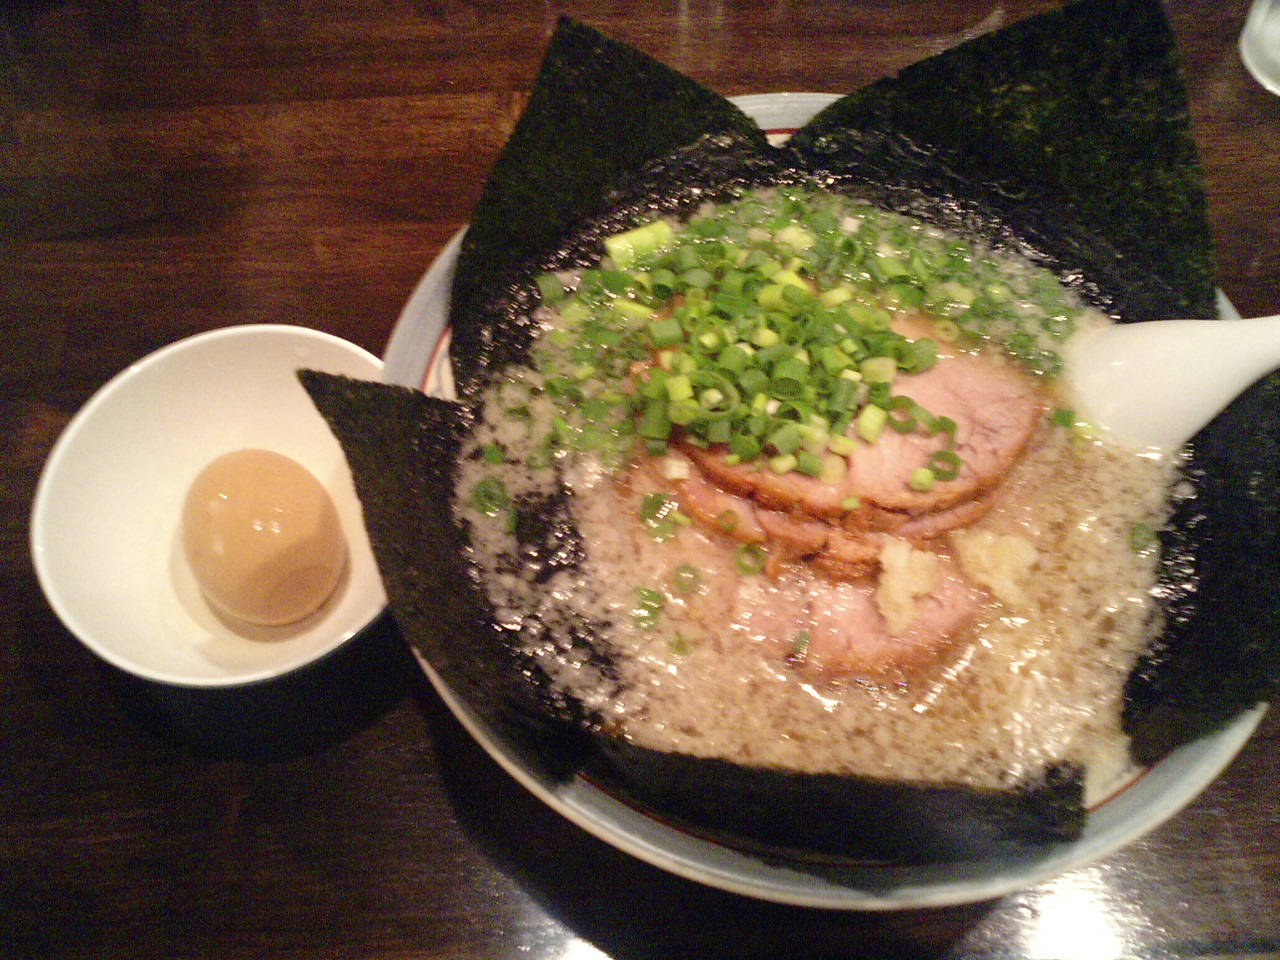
<point x="1008" y="178"/>
<point x="599" y="113"/>
<point x="1072" y="128"/>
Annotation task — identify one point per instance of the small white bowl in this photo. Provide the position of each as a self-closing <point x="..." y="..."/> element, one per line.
<point x="105" y="525"/>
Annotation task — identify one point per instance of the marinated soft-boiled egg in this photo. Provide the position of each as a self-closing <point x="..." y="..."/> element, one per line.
<point x="262" y="537"/>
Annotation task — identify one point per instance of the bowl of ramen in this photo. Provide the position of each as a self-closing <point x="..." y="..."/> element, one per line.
<point x="776" y="555"/>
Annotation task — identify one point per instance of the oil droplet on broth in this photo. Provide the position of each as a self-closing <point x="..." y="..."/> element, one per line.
<point x="262" y="537"/>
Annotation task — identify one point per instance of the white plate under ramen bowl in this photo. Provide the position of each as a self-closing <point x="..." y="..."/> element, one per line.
<point x="105" y="525"/>
<point x="414" y="357"/>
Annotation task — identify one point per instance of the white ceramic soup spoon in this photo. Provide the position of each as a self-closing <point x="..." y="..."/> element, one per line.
<point x="1156" y="384"/>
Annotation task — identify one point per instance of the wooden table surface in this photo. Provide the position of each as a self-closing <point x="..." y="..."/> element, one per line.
<point x="173" y="166"/>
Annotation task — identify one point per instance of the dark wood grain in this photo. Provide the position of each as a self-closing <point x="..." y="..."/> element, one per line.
<point x="172" y="167"/>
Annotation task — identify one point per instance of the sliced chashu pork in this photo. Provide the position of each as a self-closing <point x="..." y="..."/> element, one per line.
<point x="995" y="409"/>
<point x="833" y="629"/>
<point x="803" y="518"/>
<point x="842" y="550"/>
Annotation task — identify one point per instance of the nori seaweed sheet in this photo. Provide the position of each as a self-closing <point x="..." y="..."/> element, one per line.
<point x="496" y="330"/>
<point x="1069" y="129"/>
<point x="402" y="447"/>
<point x="599" y="112"/>
<point x="979" y="139"/>
<point x="1219" y="652"/>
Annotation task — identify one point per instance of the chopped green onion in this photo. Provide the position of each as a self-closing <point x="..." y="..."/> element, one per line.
<point x="575" y="312"/>
<point x="871" y="422"/>
<point x="661" y="515"/>
<point x="921" y="479"/>
<point x="698" y="278"/>
<point x="625" y="248"/>
<point x="809" y="463"/>
<point x="648" y="608"/>
<point x="734" y="358"/>
<point x="879" y="369"/>
<point x="750" y="558"/>
<point x="947" y="331"/>
<point x="631" y="310"/>
<point x="841" y="445"/>
<point x="665" y="331"/>
<point x="764" y="337"/>
<point x="786" y="439"/>
<point x="654" y="506"/>
<point x="679" y="387"/>
<point x="686" y="578"/>
<point x="654" y="423"/>
<point x="753" y="381"/>
<point x="945" y="464"/>
<point x="832" y="469"/>
<point x="795" y="236"/>
<point x="550" y="289"/>
<point x="1142" y="536"/>
<point x="783" y="463"/>
<point x="835" y="296"/>
<point x="901" y="414"/>
<point x="1063" y="418"/>
<point x="490" y="496"/>
<point x="745" y="446"/>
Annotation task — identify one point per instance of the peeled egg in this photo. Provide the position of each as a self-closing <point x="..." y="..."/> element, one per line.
<point x="262" y="538"/>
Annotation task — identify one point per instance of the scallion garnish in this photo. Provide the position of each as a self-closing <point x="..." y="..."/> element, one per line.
<point x="648" y="608"/>
<point x="489" y="496"/>
<point x="660" y="513"/>
<point x="550" y="289"/>
<point x="686" y="578"/>
<point x="945" y="464"/>
<point x="921" y="479"/>
<point x="750" y="558"/>
<point x="1142" y="536"/>
<point x="774" y="312"/>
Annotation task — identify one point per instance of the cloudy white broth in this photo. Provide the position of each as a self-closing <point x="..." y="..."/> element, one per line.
<point x="836" y="513"/>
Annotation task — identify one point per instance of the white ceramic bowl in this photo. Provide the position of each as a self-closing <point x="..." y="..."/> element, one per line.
<point x="105" y="523"/>
<point x="418" y="344"/>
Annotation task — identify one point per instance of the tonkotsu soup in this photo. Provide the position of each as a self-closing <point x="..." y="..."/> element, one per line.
<point x="836" y="515"/>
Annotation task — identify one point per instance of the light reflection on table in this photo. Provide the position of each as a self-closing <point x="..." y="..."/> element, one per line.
<point x="1077" y="917"/>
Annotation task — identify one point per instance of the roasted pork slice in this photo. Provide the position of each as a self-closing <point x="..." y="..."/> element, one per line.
<point x="806" y="518"/>
<point x="842" y="550"/>
<point x="995" y="409"/>
<point x="837" y="552"/>
<point x="851" y="635"/>
<point x="834" y="630"/>
<point x="720" y="509"/>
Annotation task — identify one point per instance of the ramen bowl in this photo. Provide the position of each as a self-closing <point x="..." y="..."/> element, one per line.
<point x="1130" y="808"/>
<point x="1133" y="807"/>
<point x="106" y="523"/>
